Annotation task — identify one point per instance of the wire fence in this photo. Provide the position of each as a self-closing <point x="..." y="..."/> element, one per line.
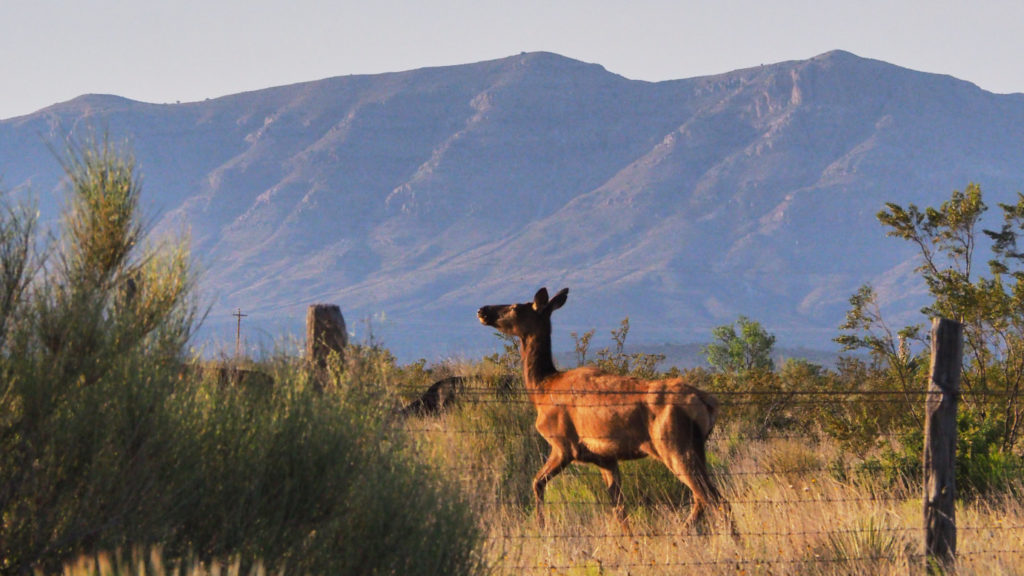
<point x="799" y="502"/>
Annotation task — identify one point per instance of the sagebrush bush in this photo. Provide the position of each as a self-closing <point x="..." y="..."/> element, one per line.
<point x="112" y="439"/>
<point x="316" y="482"/>
<point x="93" y="342"/>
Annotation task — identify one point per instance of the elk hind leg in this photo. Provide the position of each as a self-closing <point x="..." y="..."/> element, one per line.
<point x="613" y="480"/>
<point x="681" y="447"/>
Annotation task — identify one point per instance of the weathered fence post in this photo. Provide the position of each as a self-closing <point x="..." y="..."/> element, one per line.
<point x="325" y="333"/>
<point x="940" y="443"/>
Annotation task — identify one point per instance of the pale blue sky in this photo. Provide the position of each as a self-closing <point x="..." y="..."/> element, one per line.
<point x="185" y="50"/>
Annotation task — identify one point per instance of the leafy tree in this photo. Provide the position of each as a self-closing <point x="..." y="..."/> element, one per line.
<point x="744" y="379"/>
<point x="739" y="351"/>
<point x="880" y="396"/>
<point x="990" y="307"/>
<point x="615" y="359"/>
<point x="17" y="232"/>
<point x="95" y="328"/>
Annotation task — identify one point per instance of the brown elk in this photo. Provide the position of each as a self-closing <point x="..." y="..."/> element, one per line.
<point x="588" y="415"/>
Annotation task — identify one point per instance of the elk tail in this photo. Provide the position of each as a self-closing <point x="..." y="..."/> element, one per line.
<point x="702" y="408"/>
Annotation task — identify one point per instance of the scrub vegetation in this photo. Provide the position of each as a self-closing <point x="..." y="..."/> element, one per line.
<point x="120" y="452"/>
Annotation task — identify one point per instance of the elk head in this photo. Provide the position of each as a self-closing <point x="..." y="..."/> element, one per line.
<point x="525" y="319"/>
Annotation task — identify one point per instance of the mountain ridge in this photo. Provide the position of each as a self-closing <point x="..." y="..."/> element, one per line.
<point x="411" y="198"/>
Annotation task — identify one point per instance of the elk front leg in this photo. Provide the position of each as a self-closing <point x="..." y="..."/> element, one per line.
<point x="557" y="461"/>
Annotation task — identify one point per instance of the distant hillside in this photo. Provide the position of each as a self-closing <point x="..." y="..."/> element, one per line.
<point x="410" y="199"/>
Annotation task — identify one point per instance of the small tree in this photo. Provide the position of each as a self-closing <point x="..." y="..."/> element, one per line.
<point x="17" y="234"/>
<point x="991" y="308"/>
<point x="745" y="350"/>
<point x="741" y="358"/>
<point x="109" y="442"/>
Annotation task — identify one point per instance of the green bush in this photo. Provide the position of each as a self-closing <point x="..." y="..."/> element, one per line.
<point x="111" y="440"/>
<point x="897" y="461"/>
<point x="982" y="466"/>
<point x="314" y="482"/>
<point x="92" y="347"/>
<point x="755" y="398"/>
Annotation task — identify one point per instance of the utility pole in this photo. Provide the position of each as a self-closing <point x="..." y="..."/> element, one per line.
<point x="238" y="332"/>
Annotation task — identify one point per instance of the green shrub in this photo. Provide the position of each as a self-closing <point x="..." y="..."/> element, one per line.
<point x="92" y="348"/>
<point x="755" y="398"/>
<point x="898" y="461"/>
<point x="110" y="440"/>
<point x="313" y="482"/>
<point x="617" y="361"/>
<point x="982" y="466"/>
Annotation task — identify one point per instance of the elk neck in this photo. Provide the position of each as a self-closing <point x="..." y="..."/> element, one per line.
<point x="538" y="363"/>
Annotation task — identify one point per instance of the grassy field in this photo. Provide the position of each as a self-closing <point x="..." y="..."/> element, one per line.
<point x="799" y="503"/>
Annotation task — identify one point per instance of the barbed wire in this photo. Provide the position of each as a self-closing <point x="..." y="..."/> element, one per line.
<point x="790" y="402"/>
<point x="684" y="398"/>
<point x="524" y="393"/>
<point x="851" y="470"/>
<point x="747" y="502"/>
<point x="528" y="430"/>
<point x="655" y="535"/>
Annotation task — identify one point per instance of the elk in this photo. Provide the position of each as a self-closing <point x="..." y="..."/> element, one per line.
<point x="591" y="416"/>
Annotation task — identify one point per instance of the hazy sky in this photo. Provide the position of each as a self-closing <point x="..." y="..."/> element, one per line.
<point x="185" y="50"/>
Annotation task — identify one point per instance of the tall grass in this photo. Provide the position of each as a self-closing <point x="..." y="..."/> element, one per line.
<point x="801" y="504"/>
<point x="314" y="482"/>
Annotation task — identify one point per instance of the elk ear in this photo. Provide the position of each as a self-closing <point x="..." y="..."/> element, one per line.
<point x="558" y="300"/>
<point x="540" y="299"/>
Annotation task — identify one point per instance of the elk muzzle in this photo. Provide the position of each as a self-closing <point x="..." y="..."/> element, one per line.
<point x="488" y="315"/>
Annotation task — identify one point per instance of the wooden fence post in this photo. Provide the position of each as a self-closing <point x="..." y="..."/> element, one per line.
<point x="940" y="443"/>
<point x="325" y="333"/>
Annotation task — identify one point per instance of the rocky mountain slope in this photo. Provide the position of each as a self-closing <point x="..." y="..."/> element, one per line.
<point x="410" y="199"/>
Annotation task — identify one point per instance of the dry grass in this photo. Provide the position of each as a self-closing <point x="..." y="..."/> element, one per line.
<point x="795" y="512"/>
<point x="152" y="563"/>
<point x="792" y="514"/>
